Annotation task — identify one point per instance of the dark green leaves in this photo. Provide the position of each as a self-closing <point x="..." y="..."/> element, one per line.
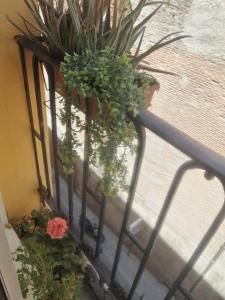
<point x="49" y="269"/>
<point x="115" y="87"/>
<point x="74" y="26"/>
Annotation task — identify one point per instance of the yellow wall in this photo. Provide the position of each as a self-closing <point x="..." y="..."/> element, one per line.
<point x="18" y="179"/>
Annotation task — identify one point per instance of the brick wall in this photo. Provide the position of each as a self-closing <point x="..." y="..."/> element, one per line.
<point x="194" y="102"/>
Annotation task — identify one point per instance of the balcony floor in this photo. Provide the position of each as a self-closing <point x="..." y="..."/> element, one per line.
<point x="148" y="286"/>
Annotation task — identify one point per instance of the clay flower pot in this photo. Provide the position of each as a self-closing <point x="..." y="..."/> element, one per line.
<point x="81" y="100"/>
<point x="149" y="93"/>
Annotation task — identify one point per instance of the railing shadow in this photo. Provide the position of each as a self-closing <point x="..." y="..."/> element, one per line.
<point x="165" y="263"/>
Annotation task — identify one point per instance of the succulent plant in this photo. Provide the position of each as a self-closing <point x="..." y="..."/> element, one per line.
<point x="72" y="26"/>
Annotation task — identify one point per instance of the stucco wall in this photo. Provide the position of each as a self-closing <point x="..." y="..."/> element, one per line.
<point x="18" y="180"/>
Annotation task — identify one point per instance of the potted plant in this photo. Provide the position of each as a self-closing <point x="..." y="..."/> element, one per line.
<point x="50" y="264"/>
<point x="94" y="42"/>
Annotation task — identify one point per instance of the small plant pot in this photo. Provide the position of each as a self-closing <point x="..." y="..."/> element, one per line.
<point x="81" y="101"/>
<point x="149" y="93"/>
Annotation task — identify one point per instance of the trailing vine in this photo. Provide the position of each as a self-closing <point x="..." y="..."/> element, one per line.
<point x="112" y="85"/>
<point x="69" y="116"/>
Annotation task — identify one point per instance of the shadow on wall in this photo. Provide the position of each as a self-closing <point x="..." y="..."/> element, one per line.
<point x="165" y="264"/>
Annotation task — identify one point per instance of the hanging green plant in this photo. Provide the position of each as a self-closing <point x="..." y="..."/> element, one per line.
<point x="112" y="85"/>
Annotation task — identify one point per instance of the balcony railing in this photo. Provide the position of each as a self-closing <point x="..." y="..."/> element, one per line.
<point x="200" y="156"/>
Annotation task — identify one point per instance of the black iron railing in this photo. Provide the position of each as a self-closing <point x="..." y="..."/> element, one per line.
<point x="200" y="156"/>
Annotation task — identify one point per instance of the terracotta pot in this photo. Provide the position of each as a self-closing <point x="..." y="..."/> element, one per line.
<point x="149" y="93"/>
<point x="58" y="76"/>
<point x="81" y="100"/>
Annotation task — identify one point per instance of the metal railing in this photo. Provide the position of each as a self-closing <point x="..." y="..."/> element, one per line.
<point x="200" y="156"/>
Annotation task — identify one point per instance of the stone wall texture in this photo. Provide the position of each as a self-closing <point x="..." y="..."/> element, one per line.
<point x="194" y="102"/>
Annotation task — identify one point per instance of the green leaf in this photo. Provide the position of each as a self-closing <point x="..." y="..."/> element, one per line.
<point x="155" y="47"/>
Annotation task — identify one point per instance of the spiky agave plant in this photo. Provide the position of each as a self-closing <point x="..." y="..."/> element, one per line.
<point x="72" y="26"/>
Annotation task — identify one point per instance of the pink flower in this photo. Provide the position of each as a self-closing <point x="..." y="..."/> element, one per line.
<point x="57" y="228"/>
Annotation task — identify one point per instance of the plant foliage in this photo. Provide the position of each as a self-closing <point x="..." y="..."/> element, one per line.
<point x="72" y="26"/>
<point x="49" y="269"/>
<point x="112" y="84"/>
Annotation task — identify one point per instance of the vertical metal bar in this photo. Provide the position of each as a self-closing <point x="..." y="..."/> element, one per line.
<point x="40" y="120"/>
<point x="208" y="267"/>
<point x="186" y="294"/>
<point x="100" y="226"/>
<point x="30" y="113"/>
<point x="195" y="256"/>
<point x="87" y="145"/>
<point x="70" y="197"/>
<point x="167" y="203"/>
<point x="135" y="175"/>
<point x="68" y="107"/>
<point x="51" y="81"/>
